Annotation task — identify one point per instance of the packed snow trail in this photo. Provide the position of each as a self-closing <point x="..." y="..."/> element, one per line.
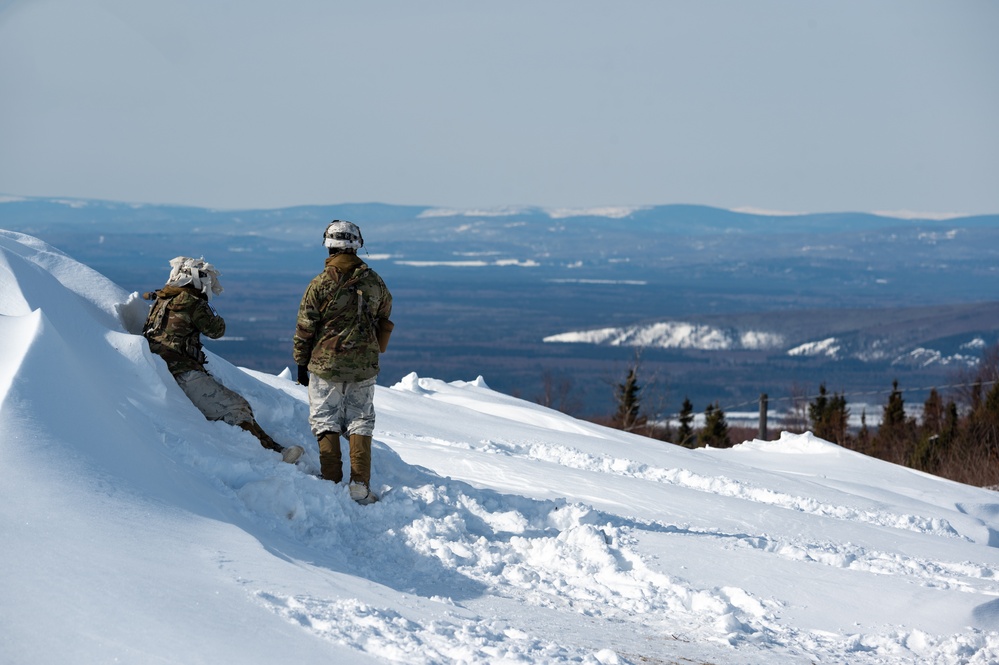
<point x="507" y="532"/>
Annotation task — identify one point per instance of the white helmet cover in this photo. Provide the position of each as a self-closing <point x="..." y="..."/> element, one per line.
<point x="197" y="272"/>
<point x="342" y="235"/>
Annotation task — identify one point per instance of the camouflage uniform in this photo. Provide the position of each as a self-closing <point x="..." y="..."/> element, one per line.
<point x="173" y="328"/>
<point x="336" y="333"/>
<point x="337" y="339"/>
<point x="175" y="323"/>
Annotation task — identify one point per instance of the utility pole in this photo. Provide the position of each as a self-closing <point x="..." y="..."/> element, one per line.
<point x="763" y="417"/>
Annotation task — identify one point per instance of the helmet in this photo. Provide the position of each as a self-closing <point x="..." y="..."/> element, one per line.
<point x="197" y="272"/>
<point x="342" y="235"/>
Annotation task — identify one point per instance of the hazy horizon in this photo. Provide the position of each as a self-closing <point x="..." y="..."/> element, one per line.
<point x="773" y="105"/>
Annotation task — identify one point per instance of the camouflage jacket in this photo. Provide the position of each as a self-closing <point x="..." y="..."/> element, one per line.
<point x="178" y="317"/>
<point x="336" y="332"/>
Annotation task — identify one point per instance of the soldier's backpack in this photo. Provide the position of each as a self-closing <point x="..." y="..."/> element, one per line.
<point x="348" y="310"/>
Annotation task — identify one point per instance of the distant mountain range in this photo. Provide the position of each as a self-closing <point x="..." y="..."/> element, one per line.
<point x="723" y="305"/>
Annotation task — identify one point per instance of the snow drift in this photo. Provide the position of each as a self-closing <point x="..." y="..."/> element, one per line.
<point x="133" y="530"/>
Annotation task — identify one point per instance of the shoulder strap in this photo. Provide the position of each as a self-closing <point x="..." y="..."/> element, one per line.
<point x="156" y="321"/>
<point x="347" y="283"/>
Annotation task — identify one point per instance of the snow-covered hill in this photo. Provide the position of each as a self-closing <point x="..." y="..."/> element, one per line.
<point x="135" y="531"/>
<point x="703" y="337"/>
<point x="674" y="335"/>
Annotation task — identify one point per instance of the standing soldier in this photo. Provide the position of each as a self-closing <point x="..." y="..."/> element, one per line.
<point x="180" y="313"/>
<point x="343" y="325"/>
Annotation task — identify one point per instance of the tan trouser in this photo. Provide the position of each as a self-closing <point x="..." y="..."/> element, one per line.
<point x="213" y="399"/>
<point x="217" y="402"/>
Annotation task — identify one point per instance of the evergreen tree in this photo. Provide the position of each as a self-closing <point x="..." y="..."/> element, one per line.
<point x="983" y="424"/>
<point x="715" y="430"/>
<point x="895" y="438"/>
<point x="926" y="455"/>
<point x="829" y="416"/>
<point x="863" y="441"/>
<point x="839" y="419"/>
<point x="951" y="424"/>
<point x="817" y="410"/>
<point x="685" y="433"/>
<point x="893" y="415"/>
<point x="933" y="413"/>
<point x="629" y="403"/>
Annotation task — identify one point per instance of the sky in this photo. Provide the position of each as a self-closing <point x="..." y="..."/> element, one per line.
<point x="134" y="530"/>
<point x="778" y="105"/>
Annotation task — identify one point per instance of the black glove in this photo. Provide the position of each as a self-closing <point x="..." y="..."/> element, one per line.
<point x="303" y="375"/>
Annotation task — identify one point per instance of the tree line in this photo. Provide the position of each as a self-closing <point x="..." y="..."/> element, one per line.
<point x="954" y="435"/>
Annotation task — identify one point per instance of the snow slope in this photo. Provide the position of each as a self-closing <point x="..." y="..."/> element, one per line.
<point x="135" y="531"/>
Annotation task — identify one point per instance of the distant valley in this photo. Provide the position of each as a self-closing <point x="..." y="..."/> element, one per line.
<point x="554" y="305"/>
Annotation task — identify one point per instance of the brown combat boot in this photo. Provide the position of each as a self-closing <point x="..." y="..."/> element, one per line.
<point x="360" y="459"/>
<point x="330" y="459"/>
<point x="360" y="469"/>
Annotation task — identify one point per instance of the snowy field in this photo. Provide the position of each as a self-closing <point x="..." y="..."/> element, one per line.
<point x="134" y="531"/>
